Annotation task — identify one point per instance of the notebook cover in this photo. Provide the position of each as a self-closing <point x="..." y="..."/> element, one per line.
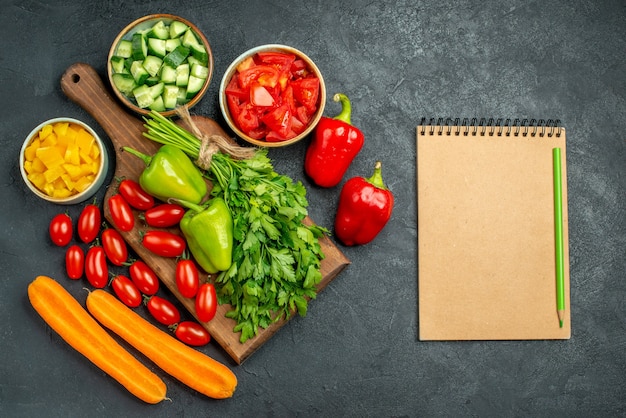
<point x="486" y="252"/>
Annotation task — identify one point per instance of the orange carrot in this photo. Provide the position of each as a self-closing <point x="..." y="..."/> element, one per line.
<point x="73" y="323"/>
<point x="190" y="366"/>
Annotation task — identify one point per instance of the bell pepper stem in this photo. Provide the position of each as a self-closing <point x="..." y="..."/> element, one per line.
<point x="189" y="205"/>
<point x="146" y="158"/>
<point x="346" y="108"/>
<point x="377" y="178"/>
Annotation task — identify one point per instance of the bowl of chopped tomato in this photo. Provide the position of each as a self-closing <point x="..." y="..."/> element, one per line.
<point x="63" y="161"/>
<point x="272" y="95"/>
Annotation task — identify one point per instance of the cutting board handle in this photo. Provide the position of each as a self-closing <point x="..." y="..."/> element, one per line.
<point x="82" y="84"/>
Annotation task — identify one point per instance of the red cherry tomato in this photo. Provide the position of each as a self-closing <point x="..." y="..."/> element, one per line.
<point x="121" y="213"/>
<point x="89" y="223"/>
<point x="144" y="277"/>
<point x="61" y="229"/>
<point x="187" y="277"/>
<point x="74" y="262"/>
<point x="163" y="310"/>
<point x="135" y="195"/>
<point x="96" y="268"/>
<point x="126" y="291"/>
<point x="114" y="246"/>
<point x="192" y="333"/>
<point x="164" y="215"/>
<point x="163" y="243"/>
<point x="206" y="302"/>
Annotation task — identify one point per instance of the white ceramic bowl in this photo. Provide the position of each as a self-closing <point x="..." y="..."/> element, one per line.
<point x="232" y="70"/>
<point x="78" y="196"/>
<point x="145" y="23"/>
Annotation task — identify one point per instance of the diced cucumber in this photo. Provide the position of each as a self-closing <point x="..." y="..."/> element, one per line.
<point x="194" y="86"/>
<point x="139" y="73"/>
<point x="124" y="49"/>
<point x="182" y="75"/>
<point x="157" y="90"/>
<point x="143" y="96"/>
<point x="177" y="56"/>
<point x="182" y="96"/>
<point x="117" y="64"/>
<point x="189" y="39"/>
<point x="152" y="64"/>
<point x="199" y="52"/>
<point x="171" y="44"/>
<point x="199" y="71"/>
<point x="158" y="104"/>
<point x="170" y="96"/>
<point x="168" y="74"/>
<point x="139" y="47"/>
<point x="125" y="83"/>
<point x="159" y="30"/>
<point x="191" y="60"/>
<point x="151" y="81"/>
<point x="177" y="28"/>
<point x="157" y="47"/>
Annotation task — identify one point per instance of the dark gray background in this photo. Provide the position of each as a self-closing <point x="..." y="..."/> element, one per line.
<point x="357" y="352"/>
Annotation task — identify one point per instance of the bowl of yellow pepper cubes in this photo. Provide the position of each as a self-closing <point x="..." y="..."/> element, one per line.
<point x="63" y="161"/>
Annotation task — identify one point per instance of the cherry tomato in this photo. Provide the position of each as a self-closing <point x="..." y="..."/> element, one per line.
<point x="163" y="310"/>
<point x="89" y="223"/>
<point x="163" y="243"/>
<point x="114" y="246"/>
<point x="135" y="195"/>
<point x="164" y="215"/>
<point x="121" y="213"/>
<point x="144" y="277"/>
<point x="61" y="229"/>
<point x="96" y="268"/>
<point x="187" y="277"/>
<point x="192" y="333"/>
<point x="206" y="302"/>
<point x="74" y="262"/>
<point x="126" y="291"/>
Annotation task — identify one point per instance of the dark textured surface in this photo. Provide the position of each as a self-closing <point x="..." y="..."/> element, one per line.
<point x="357" y="352"/>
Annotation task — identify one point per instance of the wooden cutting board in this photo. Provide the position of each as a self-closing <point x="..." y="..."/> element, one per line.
<point x="82" y="84"/>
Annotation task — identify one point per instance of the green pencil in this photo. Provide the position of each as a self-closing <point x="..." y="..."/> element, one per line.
<point x="558" y="235"/>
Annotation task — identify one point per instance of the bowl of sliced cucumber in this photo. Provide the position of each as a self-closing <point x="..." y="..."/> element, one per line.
<point x="160" y="62"/>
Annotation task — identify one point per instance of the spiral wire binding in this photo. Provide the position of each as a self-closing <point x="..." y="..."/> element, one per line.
<point x="490" y="127"/>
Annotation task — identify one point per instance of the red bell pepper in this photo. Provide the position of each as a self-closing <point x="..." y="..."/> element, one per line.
<point x="365" y="206"/>
<point x="335" y="144"/>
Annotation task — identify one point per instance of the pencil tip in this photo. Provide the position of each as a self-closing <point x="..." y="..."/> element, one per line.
<point x="561" y="323"/>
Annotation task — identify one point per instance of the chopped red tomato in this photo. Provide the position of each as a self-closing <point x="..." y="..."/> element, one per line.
<point x="272" y="96"/>
<point x="306" y="90"/>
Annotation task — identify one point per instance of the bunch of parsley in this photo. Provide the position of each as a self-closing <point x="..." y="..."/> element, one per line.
<point x="276" y="256"/>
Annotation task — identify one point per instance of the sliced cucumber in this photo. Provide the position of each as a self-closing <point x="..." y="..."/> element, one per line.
<point x="124" y="83"/>
<point x="177" y="56"/>
<point x="171" y="44"/>
<point x="170" y="96"/>
<point x="200" y="71"/>
<point x="139" y="73"/>
<point x="152" y="64"/>
<point x="177" y="29"/>
<point x="157" y="104"/>
<point x="182" y="75"/>
<point x="124" y="49"/>
<point x="168" y="74"/>
<point x="194" y="86"/>
<point x="157" y="47"/>
<point x="139" y="47"/>
<point x="143" y="96"/>
<point x="159" y="31"/>
<point x="117" y="64"/>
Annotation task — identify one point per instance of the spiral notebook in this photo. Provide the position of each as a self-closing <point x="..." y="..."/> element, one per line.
<point x="486" y="230"/>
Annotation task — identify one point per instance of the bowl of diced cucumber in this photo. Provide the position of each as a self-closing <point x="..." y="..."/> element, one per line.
<point x="160" y="62"/>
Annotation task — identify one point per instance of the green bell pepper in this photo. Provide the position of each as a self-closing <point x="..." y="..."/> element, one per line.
<point x="170" y="174"/>
<point x="208" y="230"/>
